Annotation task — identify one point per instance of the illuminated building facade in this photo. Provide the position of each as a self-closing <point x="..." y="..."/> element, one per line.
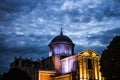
<point x="63" y="64"/>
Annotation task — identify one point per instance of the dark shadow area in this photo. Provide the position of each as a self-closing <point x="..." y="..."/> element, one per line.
<point x="110" y="60"/>
<point x="15" y="74"/>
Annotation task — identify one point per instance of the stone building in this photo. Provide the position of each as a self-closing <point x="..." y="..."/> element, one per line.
<point x="63" y="64"/>
<point x="27" y="65"/>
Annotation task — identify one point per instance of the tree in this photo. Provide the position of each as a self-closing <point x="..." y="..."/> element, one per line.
<point x="15" y="74"/>
<point x="110" y="60"/>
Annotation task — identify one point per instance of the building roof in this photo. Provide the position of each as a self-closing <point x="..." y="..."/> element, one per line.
<point x="61" y="38"/>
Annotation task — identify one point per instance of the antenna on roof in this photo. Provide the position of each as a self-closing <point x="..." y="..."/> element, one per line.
<point x="61" y="32"/>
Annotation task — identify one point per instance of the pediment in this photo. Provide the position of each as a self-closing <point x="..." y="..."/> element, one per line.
<point x="89" y="53"/>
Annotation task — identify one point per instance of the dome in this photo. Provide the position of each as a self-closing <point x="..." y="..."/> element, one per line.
<point x="61" y="38"/>
<point x="61" y="45"/>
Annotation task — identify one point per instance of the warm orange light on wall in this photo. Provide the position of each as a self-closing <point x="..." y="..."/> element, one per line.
<point x="45" y="75"/>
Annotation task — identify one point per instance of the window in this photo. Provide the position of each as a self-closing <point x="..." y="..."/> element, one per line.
<point x="89" y="64"/>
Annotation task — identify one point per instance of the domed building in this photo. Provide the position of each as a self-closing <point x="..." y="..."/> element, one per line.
<point x="61" y="45"/>
<point x="63" y="64"/>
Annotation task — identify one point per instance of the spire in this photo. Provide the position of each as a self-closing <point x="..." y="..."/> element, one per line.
<point x="61" y="33"/>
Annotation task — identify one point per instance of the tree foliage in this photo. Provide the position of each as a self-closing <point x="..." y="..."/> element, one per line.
<point x="15" y="74"/>
<point x="110" y="60"/>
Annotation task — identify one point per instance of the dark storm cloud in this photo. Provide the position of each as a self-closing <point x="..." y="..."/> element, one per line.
<point x="11" y="9"/>
<point x="107" y="8"/>
<point x="97" y="49"/>
<point x="104" y="9"/>
<point x="24" y="44"/>
<point x="104" y="37"/>
<point x="22" y="50"/>
<point x="112" y="9"/>
<point x="27" y="26"/>
<point x="109" y="35"/>
<point x="32" y="50"/>
<point x="12" y="6"/>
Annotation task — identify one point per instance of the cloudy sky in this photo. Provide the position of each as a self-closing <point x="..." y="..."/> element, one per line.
<point x="27" y="26"/>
